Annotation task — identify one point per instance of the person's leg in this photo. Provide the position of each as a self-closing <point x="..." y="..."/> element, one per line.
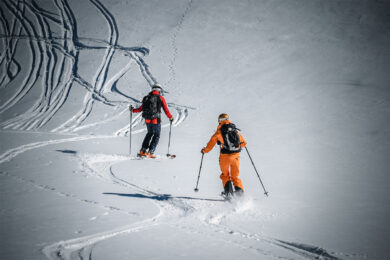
<point x="224" y="165"/>
<point x="148" y="137"/>
<point x="156" y="129"/>
<point x="235" y="170"/>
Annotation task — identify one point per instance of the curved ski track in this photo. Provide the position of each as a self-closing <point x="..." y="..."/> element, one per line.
<point x="54" y="64"/>
<point x="178" y="213"/>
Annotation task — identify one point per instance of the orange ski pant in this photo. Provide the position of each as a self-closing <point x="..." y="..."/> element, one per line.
<point x="230" y="162"/>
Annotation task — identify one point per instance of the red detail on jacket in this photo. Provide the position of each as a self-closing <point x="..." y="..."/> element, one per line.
<point x="164" y="106"/>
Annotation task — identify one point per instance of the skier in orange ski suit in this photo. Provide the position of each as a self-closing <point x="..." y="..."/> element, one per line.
<point x="227" y="160"/>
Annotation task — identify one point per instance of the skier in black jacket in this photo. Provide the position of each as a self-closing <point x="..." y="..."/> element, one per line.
<point x="151" y="111"/>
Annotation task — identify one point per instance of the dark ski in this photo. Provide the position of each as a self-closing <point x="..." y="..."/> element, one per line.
<point x="171" y="156"/>
<point x="139" y="157"/>
<point x="227" y="196"/>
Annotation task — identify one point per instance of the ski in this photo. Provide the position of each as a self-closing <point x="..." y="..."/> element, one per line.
<point x="230" y="196"/>
<point x="226" y="196"/>
<point x="144" y="157"/>
<point x="171" y="156"/>
<point x="139" y="157"/>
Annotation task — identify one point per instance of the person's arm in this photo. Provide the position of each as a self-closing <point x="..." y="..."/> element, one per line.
<point x="242" y="140"/>
<point x="211" y="143"/>
<point x="165" y="107"/>
<point x="137" y="110"/>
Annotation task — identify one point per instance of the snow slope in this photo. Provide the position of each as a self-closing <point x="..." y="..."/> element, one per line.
<point x="306" y="81"/>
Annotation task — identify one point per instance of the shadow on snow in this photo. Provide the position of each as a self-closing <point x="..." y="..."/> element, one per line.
<point x="159" y="197"/>
<point x="67" y="151"/>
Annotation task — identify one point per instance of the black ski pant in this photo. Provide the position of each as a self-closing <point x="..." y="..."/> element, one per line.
<point x="152" y="137"/>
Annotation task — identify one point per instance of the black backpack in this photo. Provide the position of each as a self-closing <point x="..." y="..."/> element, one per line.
<point x="231" y="139"/>
<point x="151" y="106"/>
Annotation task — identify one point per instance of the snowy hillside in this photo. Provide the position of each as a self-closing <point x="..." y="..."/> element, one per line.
<point x="306" y="81"/>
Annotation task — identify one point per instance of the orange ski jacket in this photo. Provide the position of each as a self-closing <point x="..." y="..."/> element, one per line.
<point x="217" y="138"/>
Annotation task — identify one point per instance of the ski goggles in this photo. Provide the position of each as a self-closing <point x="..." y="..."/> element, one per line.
<point x="222" y="119"/>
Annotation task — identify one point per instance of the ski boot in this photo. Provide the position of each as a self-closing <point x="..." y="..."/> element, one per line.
<point x="238" y="191"/>
<point x="142" y="154"/>
<point x="151" y="154"/>
<point x="228" y="190"/>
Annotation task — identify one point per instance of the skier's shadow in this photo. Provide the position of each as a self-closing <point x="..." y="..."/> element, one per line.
<point x="159" y="197"/>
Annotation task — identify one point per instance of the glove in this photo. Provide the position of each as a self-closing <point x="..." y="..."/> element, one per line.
<point x="171" y="119"/>
<point x="131" y="108"/>
<point x="202" y="151"/>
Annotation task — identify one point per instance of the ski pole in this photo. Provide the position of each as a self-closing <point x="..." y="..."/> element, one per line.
<point x="201" y="161"/>
<point x="131" y="124"/>
<point x="169" y="140"/>
<point x="265" y="192"/>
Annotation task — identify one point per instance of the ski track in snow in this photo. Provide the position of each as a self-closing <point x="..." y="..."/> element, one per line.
<point x="54" y="64"/>
<point x="180" y="213"/>
<point x="11" y="153"/>
<point x="69" y="195"/>
<point x="177" y="212"/>
<point x="176" y="32"/>
<point x="81" y="248"/>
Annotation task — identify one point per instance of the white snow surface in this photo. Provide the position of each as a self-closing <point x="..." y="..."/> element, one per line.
<point x="306" y="81"/>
